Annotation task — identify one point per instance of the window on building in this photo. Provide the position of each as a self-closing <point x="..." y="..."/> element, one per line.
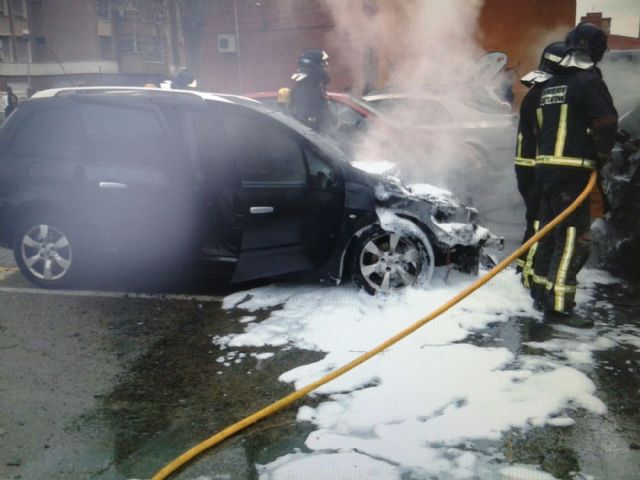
<point x="159" y="45"/>
<point x="5" y="50"/>
<point x="106" y="48"/>
<point x="151" y="10"/>
<point x="22" y="50"/>
<point x="19" y="8"/>
<point x="3" y="7"/>
<point x="103" y="8"/>
<point x="41" y="52"/>
<point x="127" y="43"/>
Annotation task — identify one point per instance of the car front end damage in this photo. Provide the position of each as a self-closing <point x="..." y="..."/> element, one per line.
<point x="452" y="228"/>
<point x="616" y="235"/>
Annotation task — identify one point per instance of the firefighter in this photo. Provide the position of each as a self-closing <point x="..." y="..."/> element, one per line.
<point x="577" y="124"/>
<point x="184" y="80"/>
<point x="309" y="102"/>
<point x="526" y="149"/>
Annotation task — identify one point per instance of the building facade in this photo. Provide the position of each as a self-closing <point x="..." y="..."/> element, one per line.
<point x="254" y="45"/>
<point x="61" y="43"/>
<point x="615" y="42"/>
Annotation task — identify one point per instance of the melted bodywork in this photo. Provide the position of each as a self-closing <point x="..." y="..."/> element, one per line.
<point x="616" y="236"/>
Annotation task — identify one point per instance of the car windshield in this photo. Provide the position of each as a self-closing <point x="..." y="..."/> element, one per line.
<point x="423" y="110"/>
<point x="323" y="142"/>
<point x="368" y="106"/>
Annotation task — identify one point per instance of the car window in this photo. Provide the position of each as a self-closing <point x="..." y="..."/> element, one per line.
<point x="122" y="134"/>
<point x="418" y="110"/>
<point x="348" y="116"/>
<point x="211" y="140"/>
<point x="50" y="132"/>
<point x="264" y="152"/>
<point x="321" y="175"/>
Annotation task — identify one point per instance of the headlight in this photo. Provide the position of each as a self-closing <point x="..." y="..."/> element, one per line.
<point x="446" y="214"/>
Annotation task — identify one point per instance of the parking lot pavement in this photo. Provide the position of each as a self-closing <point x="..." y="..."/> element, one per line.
<point x="105" y="384"/>
<point x="99" y="387"/>
<point x="87" y="380"/>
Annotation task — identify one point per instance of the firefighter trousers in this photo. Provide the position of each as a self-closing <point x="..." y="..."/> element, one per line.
<point x="525" y="177"/>
<point x="561" y="254"/>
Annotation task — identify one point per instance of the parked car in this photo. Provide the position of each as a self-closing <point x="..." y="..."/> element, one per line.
<point x="350" y="111"/>
<point x="186" y="178"/>
<point x="478" y="129"/>
<point x="475" y="141"/>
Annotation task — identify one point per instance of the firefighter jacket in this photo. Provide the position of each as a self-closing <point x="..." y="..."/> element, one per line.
<point x="309" y="103"/>
<point x="576" y="119"/>
<point x="526" y="142"/>
<point x="525" y="160"/>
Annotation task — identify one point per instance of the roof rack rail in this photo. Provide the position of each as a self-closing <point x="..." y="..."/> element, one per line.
<point x="59" y="92"/>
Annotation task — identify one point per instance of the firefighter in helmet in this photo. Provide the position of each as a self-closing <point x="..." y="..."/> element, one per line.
<point x="184" y="80"/>
<point x="309" y="102"/>
<point x="577" y="124"/>
<point x="526" y="148"/>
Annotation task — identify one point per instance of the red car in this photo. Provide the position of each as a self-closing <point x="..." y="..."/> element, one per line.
<point x="349" y="110"/>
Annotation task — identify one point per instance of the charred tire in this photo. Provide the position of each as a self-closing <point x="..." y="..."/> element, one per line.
<point x="383" y="261"/>
<point x="47" y="250"/>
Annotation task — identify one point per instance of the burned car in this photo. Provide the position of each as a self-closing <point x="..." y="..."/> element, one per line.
<point x="616" y="236"/>
<point x="174" y="179"/>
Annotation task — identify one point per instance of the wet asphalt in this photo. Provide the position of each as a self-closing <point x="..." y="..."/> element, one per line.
<point x="103" y="387"/>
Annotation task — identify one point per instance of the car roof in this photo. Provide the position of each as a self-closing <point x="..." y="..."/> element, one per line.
<point x="397" y="95"/>
<point x="353" y="102"/>
<point x="121" y="90"/>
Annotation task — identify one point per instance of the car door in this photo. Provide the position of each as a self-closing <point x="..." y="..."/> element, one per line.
<point x="277" y="200"/>
<point x="138" y="180"/>
<point x="40" y="155"/>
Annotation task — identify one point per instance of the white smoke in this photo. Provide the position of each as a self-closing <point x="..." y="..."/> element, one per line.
<point x="428" y="49"/>
<point x="621" y="72"/>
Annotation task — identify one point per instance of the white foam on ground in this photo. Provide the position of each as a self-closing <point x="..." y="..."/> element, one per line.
<point x="409" y="409"/>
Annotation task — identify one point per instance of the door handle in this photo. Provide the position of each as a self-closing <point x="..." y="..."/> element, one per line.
<point x="112" y="185"/>
<point x="261" y="210"/>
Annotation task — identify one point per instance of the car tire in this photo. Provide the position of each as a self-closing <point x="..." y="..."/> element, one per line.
<point x="383" y="261"/>
<point x="47" y="250"/>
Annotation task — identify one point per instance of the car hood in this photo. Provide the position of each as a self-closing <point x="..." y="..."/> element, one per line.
<point x="389" y="187"/>
<point x="380" y="176"/>
<point x="488" y="67"/>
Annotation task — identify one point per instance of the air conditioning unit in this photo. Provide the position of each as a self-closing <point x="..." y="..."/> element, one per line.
<point x="227" y="43"/>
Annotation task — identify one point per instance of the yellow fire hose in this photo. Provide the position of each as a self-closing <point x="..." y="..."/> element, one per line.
<point x="289" y="399"/>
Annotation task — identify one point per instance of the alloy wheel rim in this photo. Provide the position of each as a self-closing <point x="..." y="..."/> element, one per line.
<point x="46" y="252"/>
<point x="390" y="261"/>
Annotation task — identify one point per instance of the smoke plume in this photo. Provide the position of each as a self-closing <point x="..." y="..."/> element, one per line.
<point x="427" y="48"/>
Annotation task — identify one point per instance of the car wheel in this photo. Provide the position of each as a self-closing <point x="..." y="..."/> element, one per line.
<point x="46" y="251"/>
<point x="385" y="261"/>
